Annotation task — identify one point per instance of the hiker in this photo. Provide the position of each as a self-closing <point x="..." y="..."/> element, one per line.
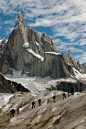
<point x="12" y="112"/>
<point x="54" y="97"/>
<point x="72" y="91"/>
<point x="18" y="110"/>
<point x="68" y="93"/>
<point x="33" y="104"/>
<point x="39" y="101"/>
<point x="64" y="96"/>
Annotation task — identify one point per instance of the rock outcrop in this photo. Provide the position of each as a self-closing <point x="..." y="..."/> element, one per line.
<point x="67" y="86"/>
<point x="7" y="86"/>
<point x="48" y="44"/>
<point x="3" y="42"/>
<point x="77" y="65"/>
<point x="82" y="66"/>
<point x="71" y="59"/>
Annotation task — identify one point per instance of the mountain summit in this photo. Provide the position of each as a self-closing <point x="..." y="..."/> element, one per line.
<point x="39" y="57"/>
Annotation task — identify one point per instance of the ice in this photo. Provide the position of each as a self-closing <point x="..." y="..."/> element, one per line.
<point x="45" y="115"/>
<point x="36" y="84"/>
<point x="4" y="99"/>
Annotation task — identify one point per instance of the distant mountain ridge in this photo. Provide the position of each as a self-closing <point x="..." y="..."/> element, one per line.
<point x="39" y="57"/>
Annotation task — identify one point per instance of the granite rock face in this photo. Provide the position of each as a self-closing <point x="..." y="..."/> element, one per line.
<point x="48" y="44"/>
<point x="71" y="59"/>
<point x="77" y="65"/>
<point x="67" y="86"/>
<point x="3" y="43"/>
<point x="14" y="45"/>
<point x="39" y="57"/>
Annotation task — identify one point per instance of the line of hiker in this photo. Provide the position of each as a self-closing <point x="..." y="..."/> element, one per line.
<point x="33" y="103"/>
<point x="39" y="102"/>
<point x="12" y="112"/>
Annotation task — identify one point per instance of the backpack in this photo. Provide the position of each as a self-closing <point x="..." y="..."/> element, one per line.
<point x="33" y="103"/>
<point x="54" y="97"/>
<point x="39" y="100"/>
<point x="17" y="109"/>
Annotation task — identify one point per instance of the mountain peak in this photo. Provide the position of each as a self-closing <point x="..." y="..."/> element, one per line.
<point x="43" y="34"/>
<point x="69" y="53"/>
<point x="78" y="63"/>
<point x="20" y="18"/>
<point x="70" y="57"/>
<point x="48" y="43"/>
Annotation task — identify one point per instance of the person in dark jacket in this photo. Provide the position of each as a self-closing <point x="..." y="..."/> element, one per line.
<point x="33" y="104"/>
<point x="39" y="101"/>
<point x="12" y="112"/>
<point x="72" y="91"/>
<point x="18" y="110"/>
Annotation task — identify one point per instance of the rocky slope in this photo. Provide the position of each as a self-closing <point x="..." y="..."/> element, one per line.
<point x="7" y="86"/>
<point x="77" y="65"/>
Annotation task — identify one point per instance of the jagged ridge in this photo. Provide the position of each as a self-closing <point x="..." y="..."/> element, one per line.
<point x="39" y="58"/>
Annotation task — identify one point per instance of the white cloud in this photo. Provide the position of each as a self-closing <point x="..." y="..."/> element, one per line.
<point x="11" y="22"/>
<point x="39" y="33"/>
<point x="81" y="57"/>
<point x="8" y="30"/>
<point x="82" y="42"/>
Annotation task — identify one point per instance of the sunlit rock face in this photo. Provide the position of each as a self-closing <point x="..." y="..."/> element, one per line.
<point x="71" y="59"/>
<point x="39" y="57"/>
<point x="77" y="65"/>
<point x="48" y="44"/>
<point x="14" y="45"/>
<point x="2" y="44"/>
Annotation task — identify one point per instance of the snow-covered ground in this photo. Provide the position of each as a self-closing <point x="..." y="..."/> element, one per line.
<point x="63" y="114"/>
<point x="79" y="75"/>
<point x="36" y="84"/>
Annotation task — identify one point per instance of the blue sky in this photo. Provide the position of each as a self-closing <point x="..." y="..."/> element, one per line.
<point x="63" y="20"/>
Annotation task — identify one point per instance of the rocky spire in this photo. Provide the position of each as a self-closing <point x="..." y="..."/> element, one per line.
<point x="71" y="59"/>
<point x="20" y="18"/>
<point x="33" y="36"/>
<point x="69" y="54"/>
<point x="3" y="42"/>
<point x="48" y="43"/>
<point x="78" y="63"/>
<point x="21" y="26"/>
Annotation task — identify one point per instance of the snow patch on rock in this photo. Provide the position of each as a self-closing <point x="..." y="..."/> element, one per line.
<point x="54" y="53"/>
<point x="35" y="54"/>
<point x="26" y="45"/>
